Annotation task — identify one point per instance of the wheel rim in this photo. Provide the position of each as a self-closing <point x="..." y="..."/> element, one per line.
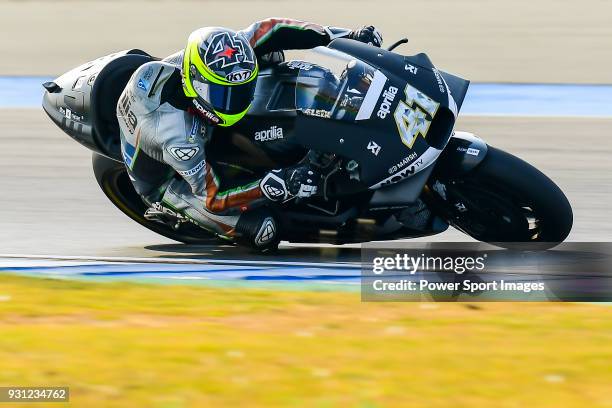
<point x="489" y="215"/>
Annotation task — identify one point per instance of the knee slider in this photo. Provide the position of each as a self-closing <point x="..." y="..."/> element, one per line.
<point x="258" y="229"/>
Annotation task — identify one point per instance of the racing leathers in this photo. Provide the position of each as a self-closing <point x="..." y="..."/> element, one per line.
<point x="163" y="133"/>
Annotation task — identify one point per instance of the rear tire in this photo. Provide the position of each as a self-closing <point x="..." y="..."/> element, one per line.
<point x="504" y="200"/>
<point x="113" y="179"/>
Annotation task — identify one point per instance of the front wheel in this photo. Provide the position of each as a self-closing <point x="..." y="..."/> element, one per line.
<point x="503" y="200"/>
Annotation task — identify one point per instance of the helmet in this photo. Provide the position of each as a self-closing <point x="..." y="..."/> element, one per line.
<point x="219" y="71"/>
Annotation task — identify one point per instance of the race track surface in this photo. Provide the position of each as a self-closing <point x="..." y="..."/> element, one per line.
<point x="53" y="206"/>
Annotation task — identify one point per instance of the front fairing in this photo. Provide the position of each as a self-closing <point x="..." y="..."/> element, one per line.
<point x="393" y="115"/>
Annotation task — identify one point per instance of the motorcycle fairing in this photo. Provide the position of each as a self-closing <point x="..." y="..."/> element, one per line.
<point x="334" y="121"/>
<point x="82" y="101"/>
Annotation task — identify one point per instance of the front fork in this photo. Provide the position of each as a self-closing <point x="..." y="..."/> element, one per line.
<point x="463" y="153"/>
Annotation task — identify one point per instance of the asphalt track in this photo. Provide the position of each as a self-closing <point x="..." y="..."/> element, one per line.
<point x="52" y="206"/>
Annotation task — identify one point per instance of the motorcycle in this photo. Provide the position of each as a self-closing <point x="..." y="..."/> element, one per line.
<point x="380" y="127"/>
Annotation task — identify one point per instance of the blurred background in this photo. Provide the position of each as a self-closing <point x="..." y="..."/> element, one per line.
<point x="484" y="40"/>
<point x="138" y="344"/>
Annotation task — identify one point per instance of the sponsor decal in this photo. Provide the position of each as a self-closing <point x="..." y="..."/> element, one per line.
<point x="194" y="170"/>
<point x="142" y="84"/>
<point x="471" y="151"/>
<point x="268" y="135"/>
<point x="441" y="86"/>
<point x="148" y="74"/>
<point x="387" y="99"/>
<point x="198" y="128"/>
<point x="70" y="115"/>
<point x="405" y="161"/>
<point x="129" y="118"/>
<point x="373" y="147"/>
<point x="424" y="159"/>
<point x="239" y="76"/>
<point x="195" y="126"/>
<point x="403" y="174"/>
<point x="322" y="113"/>
<point x="304" y="66"/>
<point x="206" y="113"/>
<point x="411" y="68"/>
<point x="183" y="153"/>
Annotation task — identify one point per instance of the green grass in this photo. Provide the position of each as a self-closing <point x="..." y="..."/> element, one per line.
<point x="137" y="345"/>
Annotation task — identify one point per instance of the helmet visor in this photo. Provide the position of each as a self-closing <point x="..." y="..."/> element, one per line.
<point x="227" y="99"/>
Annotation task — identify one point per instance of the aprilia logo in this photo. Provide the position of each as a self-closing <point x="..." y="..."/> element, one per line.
<point x="274" y="133"/>
<point x="388" y="98"/>
<point x="206" y="113"/>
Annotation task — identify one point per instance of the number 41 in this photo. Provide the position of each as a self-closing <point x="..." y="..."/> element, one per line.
<point x="411" y="115"/>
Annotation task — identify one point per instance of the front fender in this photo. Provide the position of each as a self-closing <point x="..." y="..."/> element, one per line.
<point x="463" y="153"/>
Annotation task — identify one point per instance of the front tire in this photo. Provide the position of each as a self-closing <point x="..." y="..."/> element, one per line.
<point x="503" y="200"/>
<point x="113" y="179"/>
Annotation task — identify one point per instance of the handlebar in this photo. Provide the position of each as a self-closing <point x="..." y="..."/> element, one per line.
<point x="397" y="44"/>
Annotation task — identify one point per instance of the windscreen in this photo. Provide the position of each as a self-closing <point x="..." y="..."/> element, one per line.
<point x="334" y="85"/>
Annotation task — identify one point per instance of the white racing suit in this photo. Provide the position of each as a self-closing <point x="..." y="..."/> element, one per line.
<point x="162" y="137"/>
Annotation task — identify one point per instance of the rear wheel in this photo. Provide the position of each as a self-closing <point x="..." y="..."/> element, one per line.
<point x="116" y="185"/>
<point x="503" y="200"/>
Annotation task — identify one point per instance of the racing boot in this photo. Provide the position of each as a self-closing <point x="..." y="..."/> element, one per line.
<point x="157" y="212"/>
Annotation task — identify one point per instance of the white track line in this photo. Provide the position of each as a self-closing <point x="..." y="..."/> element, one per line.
<point x="183" y="261"/>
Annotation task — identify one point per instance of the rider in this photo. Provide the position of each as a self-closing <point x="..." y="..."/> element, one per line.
<point x="169" y="108"/>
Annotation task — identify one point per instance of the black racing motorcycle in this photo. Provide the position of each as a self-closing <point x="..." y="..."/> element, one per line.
<point x="379" y="125"/>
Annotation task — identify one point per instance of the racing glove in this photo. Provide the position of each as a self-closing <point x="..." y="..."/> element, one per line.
<point x="368" y="35"/>
<point x="301" y="181"/>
